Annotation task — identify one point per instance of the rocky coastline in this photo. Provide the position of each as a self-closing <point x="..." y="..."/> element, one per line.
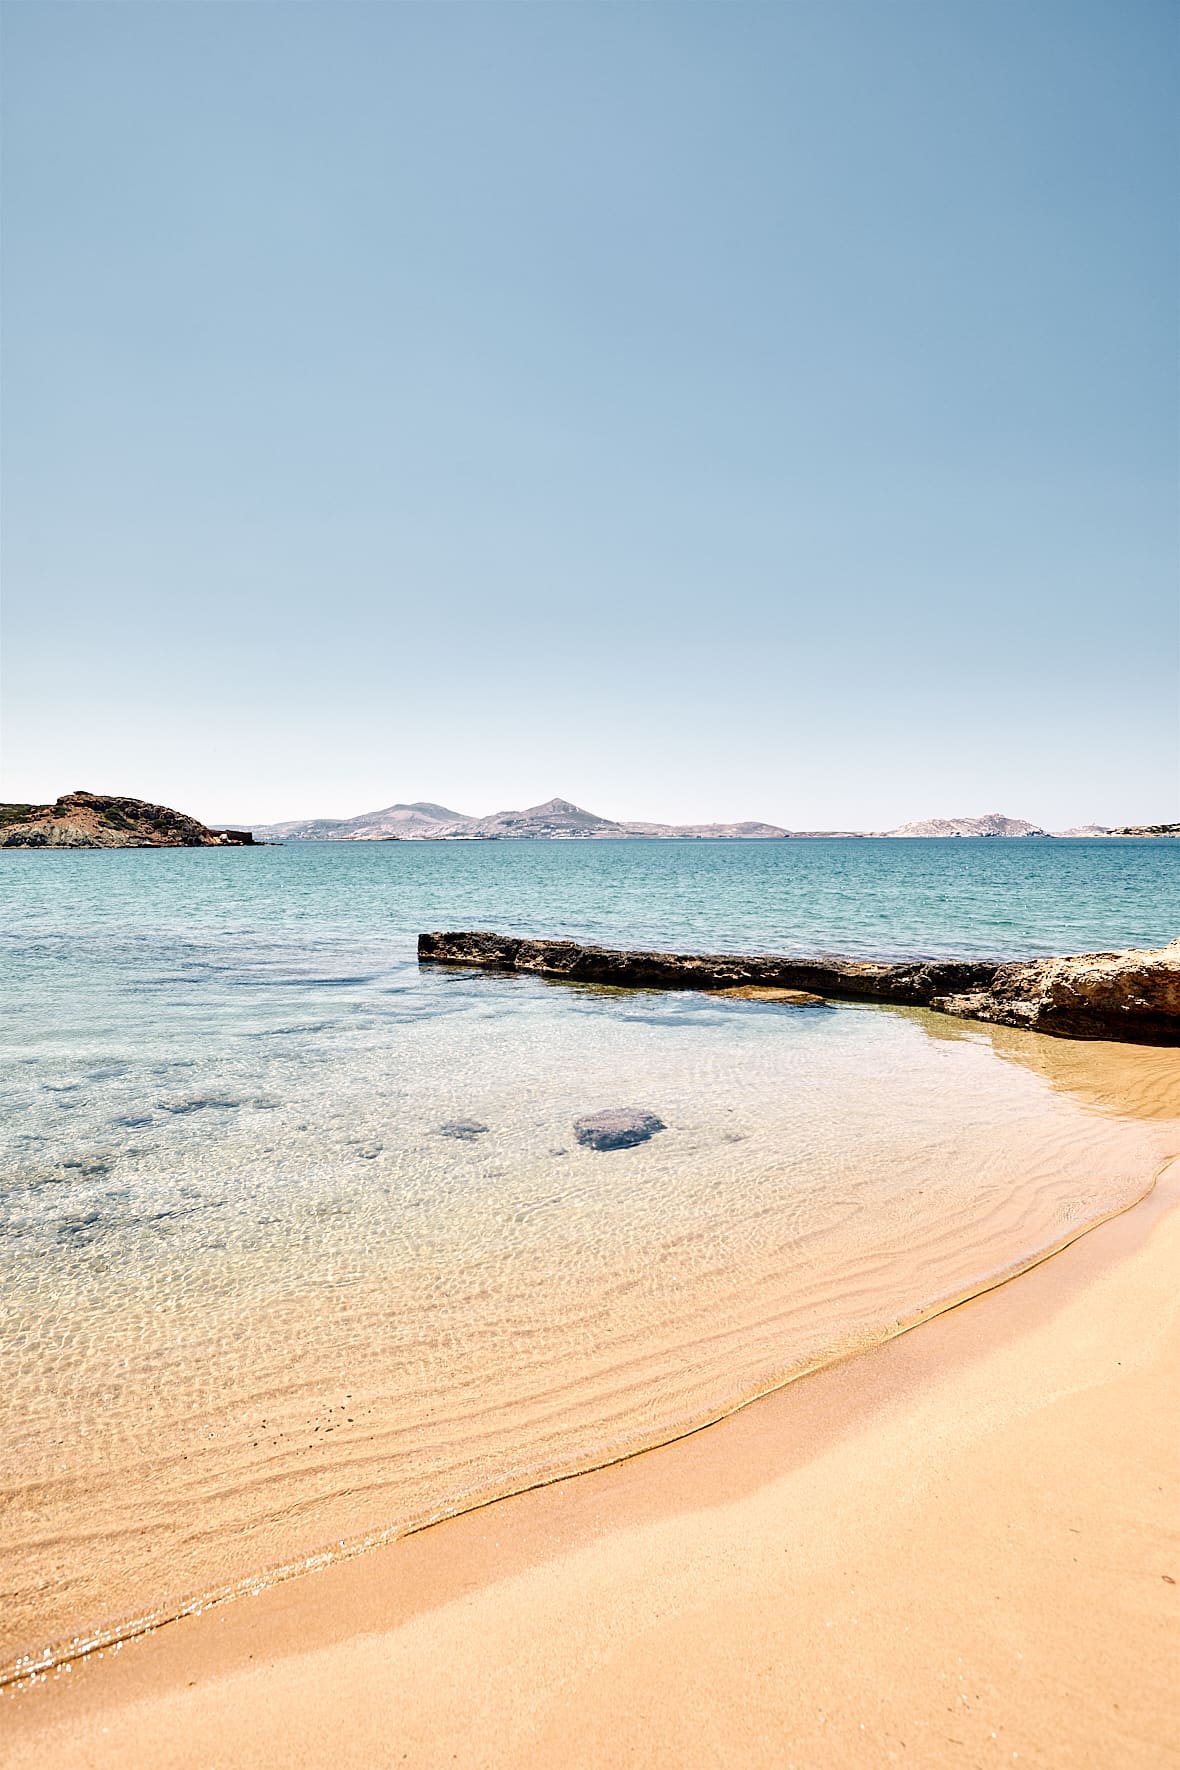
<point x="105" y="820"/>
<point x="1133" y="996"/>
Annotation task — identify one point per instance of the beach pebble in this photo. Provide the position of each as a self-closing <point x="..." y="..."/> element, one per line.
<point x="463" y="1130"/>
<point x="620" y="1128"/>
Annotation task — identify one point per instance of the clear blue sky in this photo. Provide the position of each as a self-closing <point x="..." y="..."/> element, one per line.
<point x="712" y="410"/>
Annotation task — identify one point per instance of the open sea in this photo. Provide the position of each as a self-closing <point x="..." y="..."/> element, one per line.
<point x="300" y="1251"/>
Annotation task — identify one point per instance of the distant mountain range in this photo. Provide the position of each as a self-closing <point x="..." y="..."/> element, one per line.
<point x="557" y="820"/>
<point x="96" y="820"/>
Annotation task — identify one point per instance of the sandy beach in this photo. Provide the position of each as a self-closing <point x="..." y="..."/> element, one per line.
<point x="589" y="887"/>
<point x="959" y="1548"/>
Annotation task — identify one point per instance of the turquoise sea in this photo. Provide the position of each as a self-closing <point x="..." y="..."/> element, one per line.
<point x="299" y="1249"/>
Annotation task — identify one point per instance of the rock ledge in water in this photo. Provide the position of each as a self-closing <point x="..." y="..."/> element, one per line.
<point x="620" y="1128"/>
<point x="1133" y="996"/>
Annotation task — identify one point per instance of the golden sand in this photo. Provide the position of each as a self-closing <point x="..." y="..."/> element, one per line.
<point x="959" y="1548"/>
<point x="579" y="1309"/>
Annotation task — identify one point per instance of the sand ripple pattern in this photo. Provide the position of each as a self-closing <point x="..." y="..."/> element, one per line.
<point x="257" y="1310"/>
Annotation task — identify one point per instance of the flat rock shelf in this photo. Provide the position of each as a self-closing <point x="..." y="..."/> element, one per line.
<point x="1130" y="996"/>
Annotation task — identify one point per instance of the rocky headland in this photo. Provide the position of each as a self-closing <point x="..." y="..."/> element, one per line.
<point x="104" y="820"/>
<point x="1130" y="996"/>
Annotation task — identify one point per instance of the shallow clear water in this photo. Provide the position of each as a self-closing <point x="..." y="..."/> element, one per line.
<point x="259" y="1301"/>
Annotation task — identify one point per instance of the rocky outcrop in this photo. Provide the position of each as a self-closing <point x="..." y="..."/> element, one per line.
<point x="1132" y="996"/>
<point x="101" y="820"/>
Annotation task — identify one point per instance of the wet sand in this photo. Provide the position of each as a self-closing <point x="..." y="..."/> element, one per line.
<point x="959" y="1548"/>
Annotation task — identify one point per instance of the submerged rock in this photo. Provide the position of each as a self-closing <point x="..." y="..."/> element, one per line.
<point x="762" y="992"/>
<point x="620" y="1128"/>
<point x="199" y="1103"/>
<point x="463" y="1130"/>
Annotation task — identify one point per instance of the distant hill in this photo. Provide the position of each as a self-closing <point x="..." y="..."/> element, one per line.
<point x="557" y="820"/>
<point x="740" y="832"/>
<point x="104" y="820"/>
<point x="420" y="819"/>
<point x="992" y="823"/>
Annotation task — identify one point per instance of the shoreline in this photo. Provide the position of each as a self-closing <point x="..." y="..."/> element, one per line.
<point x="66" y="1654"/>
<point x="338" y="1629"/>
<point x="685" y="1276"/>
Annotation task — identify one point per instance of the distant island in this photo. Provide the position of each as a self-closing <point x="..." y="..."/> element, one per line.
<point x="103" y="820"/>
<point x="560" y="820"/>
<point x="106" y="820"/>
<point x="555" y="820"/>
